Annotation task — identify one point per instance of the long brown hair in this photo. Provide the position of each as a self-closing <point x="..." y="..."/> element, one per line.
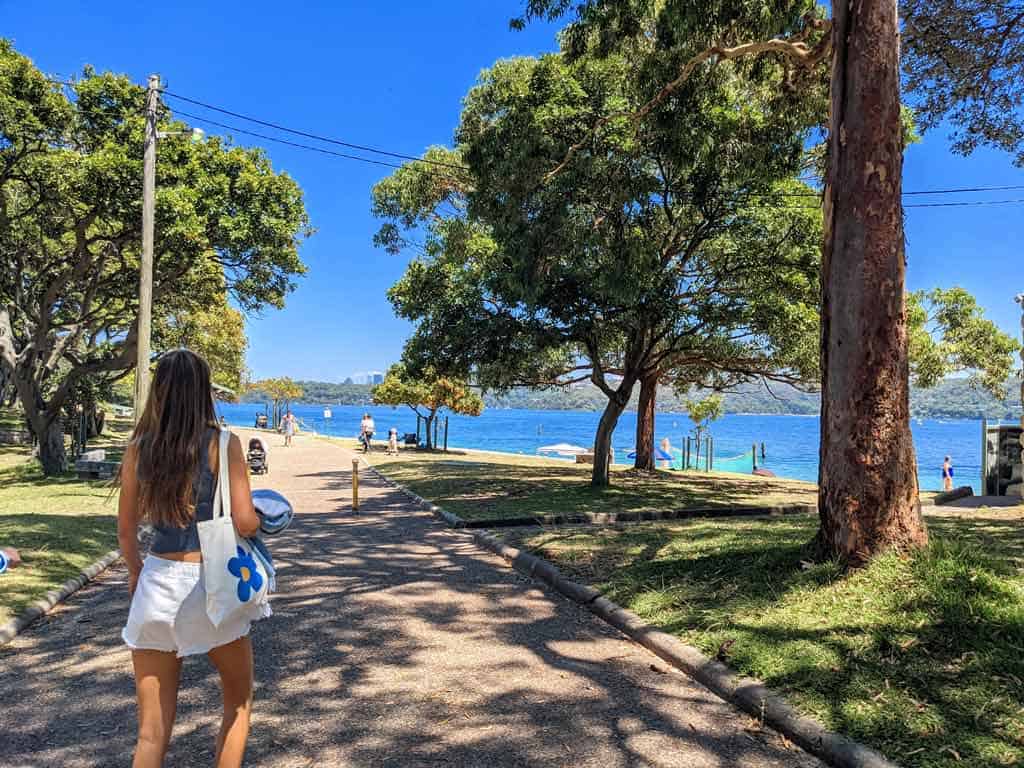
<point x="169" y="435"/>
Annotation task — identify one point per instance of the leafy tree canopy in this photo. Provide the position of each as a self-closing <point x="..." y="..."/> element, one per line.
<point x="427" y="394"/>
<point x="70" y="221"/>
<point x="217" y="334"/>
<point x="949" y="334"/>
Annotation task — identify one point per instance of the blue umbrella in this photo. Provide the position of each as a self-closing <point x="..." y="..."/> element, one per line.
<point x="659" y="455"/>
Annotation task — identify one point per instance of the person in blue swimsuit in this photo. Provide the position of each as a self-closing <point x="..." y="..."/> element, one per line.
<point x="947" y="475"/>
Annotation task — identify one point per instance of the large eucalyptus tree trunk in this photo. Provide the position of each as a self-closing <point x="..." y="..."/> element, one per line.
<point x="868" y="495"/>
<point x="645" y="422"/>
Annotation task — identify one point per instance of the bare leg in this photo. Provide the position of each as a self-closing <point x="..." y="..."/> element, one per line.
<point x="234" y="663"/>
<point x="156" y="685"/>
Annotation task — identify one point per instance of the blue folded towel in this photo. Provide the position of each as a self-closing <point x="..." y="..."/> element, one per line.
<point x="274" y="510"/>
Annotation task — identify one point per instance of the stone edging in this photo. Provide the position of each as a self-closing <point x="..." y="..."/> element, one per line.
<point x="748" y="694"/>
<point x="43" y="605"/>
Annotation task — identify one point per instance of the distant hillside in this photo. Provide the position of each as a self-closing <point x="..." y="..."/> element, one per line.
<point x="953" y="399"/>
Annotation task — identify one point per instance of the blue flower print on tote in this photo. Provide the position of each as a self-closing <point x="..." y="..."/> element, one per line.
<point x="243" y="568"/>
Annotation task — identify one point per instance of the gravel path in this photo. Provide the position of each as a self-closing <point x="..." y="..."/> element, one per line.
<point x="395" y="642"/>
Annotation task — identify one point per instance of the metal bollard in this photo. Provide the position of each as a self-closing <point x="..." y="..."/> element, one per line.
<point x="355" y="485"/>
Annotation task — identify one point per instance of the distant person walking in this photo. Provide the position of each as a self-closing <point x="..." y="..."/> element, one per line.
<point x="168" y="479"/>
<point x="288" y="427"/>
<point x="947" y="474"/>
<point x="366" y="430"/>
<point x="393" y="441"/>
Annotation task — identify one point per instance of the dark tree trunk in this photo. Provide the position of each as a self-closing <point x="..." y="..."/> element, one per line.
<point x="52" y="454"/>
<point x="430" y="432"/>
<point x="868" y="495"/>
<point x="603" y="442"/>
<point x="645" y="423"/>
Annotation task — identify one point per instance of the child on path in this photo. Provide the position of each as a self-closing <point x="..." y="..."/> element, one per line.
<point x="168" y="479"/>
<point x="393" y="441"/>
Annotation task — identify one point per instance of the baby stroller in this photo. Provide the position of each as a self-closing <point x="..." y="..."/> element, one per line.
<point x="257" y="457"/>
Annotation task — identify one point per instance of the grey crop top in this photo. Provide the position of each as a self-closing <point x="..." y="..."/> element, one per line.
<point x="170" y="538"/>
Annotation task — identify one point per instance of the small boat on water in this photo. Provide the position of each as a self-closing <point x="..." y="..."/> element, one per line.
<point x="327" y="413"/>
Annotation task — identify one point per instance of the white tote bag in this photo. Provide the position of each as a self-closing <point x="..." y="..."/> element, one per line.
<point x="236" y="578"/>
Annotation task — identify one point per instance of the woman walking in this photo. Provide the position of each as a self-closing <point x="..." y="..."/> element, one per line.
<point x="168" y="479"/>
<point x="288" y="427"/>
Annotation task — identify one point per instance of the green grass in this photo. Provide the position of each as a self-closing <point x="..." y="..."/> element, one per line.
<point x="483" y="486"/>
<point x="921" y="657"/>
<point x="60" y="525"/>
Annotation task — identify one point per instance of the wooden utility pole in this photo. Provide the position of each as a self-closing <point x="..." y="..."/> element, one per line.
<point x="145" y="319"/>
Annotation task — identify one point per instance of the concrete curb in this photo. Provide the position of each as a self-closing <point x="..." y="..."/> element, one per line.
<point x="45" y="604"/>
<point x="750" y="695"/>
<point x="615" y="518"/>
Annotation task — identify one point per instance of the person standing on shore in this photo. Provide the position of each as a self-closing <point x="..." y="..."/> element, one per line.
<point x="288" y="427"/>
<point x="947" y="474"/>
<point x="366" y="430"/>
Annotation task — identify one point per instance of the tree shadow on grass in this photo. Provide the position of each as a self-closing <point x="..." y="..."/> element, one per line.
<point x="919" y="653"/>
<point x="54" y="548"/>
<point x="395" y="641"/>
<point x="482" y="490"/>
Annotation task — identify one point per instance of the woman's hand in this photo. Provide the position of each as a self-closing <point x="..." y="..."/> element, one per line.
<point x="133" y="577"/>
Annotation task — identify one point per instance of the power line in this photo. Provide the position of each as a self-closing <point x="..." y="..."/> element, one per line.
<point x="401" y="156"/>
<point x="288" y="143"/>
<point x="961" y="204"/>
<point x="967" y="203"/>
<point x="326" y="139"/>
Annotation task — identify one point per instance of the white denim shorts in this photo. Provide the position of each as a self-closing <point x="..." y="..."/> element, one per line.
<point x="168" y="611"/>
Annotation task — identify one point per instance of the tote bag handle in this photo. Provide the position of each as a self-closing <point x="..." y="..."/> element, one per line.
<point x="222" y="497"/>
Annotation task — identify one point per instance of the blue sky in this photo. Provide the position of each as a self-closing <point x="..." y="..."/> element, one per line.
<point x="392" y="75"/>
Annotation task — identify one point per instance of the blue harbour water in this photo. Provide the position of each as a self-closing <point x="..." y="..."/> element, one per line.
<point x="791" y="442"/>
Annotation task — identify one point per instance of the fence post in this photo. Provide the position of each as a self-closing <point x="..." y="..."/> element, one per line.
<point x="753" y="450"/>
<point x="446" y="434"/>
<point x="355" y="485"/>
<point x="711" y="453"/>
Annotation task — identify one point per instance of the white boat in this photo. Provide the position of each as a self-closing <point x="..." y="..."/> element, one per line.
<point x="562" y="449"/>
<point x="327" y="413"/>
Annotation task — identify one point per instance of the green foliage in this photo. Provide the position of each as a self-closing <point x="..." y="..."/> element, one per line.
<point x="320" y="392"/>
<point x="666" y="251"/>
<point x="704" y="411"/>
<point x="430" y="392"/>
<point x="279" y="391"/>
<point x="949" y="334"/>
<point x="964" y="66"/>
<point x="70" y="230"/>
<point x="217" y="334"/>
